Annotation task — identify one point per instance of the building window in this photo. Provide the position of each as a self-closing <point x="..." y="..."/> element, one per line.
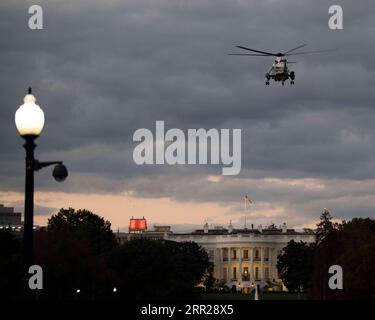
<point x="234" y="273"/>
<point x="266" y="254"/>
<point x="245" y="275"/>
<point x="234" y="254"/>
<point x="256" y="254"/>
<point x="246" y="254"/>
<point x="256" y="273"/>
<point x="266" y="273"/>
<point x="225" y="272"/>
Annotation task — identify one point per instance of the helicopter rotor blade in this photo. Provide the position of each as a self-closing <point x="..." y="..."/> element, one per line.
<point x="258" y="51"/>
<point x="248" y="54"/>
<point x="299" y="47"/>
<point x="309" y="52"/>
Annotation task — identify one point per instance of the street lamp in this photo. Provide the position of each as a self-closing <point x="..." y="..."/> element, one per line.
<point x="29" y="120"/>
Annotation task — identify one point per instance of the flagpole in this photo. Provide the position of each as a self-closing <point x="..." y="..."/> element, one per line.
<point x="245" y="211"/>
<point x="247" y="199"/>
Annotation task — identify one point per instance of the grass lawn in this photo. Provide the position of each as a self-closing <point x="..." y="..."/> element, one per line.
<point x="263" y="296"/>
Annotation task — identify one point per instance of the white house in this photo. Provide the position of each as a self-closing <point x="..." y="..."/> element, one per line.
<point x="243" y="257"/>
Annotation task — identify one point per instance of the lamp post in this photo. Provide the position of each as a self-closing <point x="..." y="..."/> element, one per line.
<point x="29" y="120"/>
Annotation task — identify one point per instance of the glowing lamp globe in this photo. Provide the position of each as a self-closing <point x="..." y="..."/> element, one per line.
<point x="29" y="117"/>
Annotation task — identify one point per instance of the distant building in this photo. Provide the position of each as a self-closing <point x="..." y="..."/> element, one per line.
<point x="138" y="229"/>
<point x="244" y="257"/>
<point x="9" y="218"/>
<point x="241" y="257"/>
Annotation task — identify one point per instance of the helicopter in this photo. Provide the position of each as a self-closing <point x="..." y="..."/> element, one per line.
<point x="279" y="70"/>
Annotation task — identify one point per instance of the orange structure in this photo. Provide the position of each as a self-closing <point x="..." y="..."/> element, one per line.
<point x="137" y="225"/>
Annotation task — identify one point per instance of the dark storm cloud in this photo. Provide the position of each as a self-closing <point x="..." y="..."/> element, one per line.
<point x="101" y="70"/>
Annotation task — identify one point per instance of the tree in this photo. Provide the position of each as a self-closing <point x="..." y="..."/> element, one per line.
<point x="9" y="245"/>
<point x="352" y="246"/>
<point x="325" y="226"/>
<point x="295" y="265"/>
<point x="73" y="253"/>
<point x="86" y="226"/>
<point x="11" y="271"/>
<point x="158" y="269"/>
<point x="209" y="280"/>
<point x="70" y="264"/>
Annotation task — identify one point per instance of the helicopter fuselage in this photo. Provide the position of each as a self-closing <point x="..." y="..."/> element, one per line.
<point x="280" y="71"/>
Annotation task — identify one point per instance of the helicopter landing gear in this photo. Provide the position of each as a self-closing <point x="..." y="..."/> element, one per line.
<point x="292" y="82"/>
<point x="268" y="77"/>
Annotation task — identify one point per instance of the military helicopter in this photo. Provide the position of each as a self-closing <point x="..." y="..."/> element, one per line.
<point x="279" y="70"/>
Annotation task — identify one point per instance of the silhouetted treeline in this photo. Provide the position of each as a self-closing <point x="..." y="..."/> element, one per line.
<point x="82" y="259"/>
<point x="350" y="245"/>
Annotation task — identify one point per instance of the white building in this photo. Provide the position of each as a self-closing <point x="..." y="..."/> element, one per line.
<point x="243" y="257"/>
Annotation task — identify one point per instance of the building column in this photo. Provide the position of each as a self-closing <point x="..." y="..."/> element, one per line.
<point x="251" y="264"/>
<point x="269" y="262"/>
<point x="240" y="264"/>
<point x="262" y="263"/>
<point x="229" y="271"/>
<point x="221" y="264"/>
<point x="217" y="263"/>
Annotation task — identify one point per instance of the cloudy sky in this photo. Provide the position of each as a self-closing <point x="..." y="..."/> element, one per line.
<point x="102" y="69"/>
